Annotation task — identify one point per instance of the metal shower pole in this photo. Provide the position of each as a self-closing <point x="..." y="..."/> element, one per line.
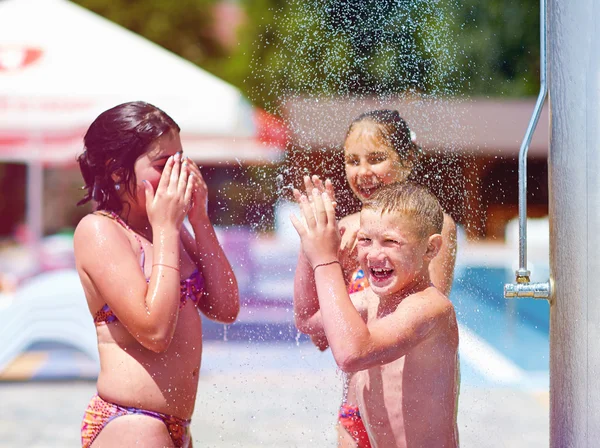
<point x="574" y="178"/>
<point x="573" y="31"/>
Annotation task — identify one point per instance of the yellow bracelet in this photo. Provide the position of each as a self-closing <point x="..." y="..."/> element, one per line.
<point x="326" y="264"/>
<point x="165" y="265"/>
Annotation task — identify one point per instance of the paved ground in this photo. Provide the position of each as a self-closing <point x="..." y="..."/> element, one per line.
<point x="265" y="395"/>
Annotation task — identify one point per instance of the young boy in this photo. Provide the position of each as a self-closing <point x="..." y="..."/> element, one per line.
<point x="406" y="354"/>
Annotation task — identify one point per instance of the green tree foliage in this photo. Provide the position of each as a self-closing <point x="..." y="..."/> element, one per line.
<point x="183" y="26"/>
<point x="342" y="47"/>
<point x="346" y="47"/>
<point x="498" y="43"/>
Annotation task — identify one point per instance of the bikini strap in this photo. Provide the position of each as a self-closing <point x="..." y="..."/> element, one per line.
<point x="114" y="216"/>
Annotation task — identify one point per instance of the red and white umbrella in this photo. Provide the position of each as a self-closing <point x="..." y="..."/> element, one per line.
<point x="62" y="65"/>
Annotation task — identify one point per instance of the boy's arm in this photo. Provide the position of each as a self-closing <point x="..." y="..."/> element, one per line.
<point x="306" y="303"/>
<point x="441" y="268"/>
<point x="358" y="346"/>
<point x="355" y="345"/>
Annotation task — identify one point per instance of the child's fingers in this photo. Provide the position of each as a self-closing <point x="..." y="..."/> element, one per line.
<point x="330" y="191"/>
<point x="321" y="214"/>
<point x="308" y="186"/>
<point x="166" y="175"/>
<point x="297" y="195"/>
<point x="174" y="179"/>
<point x="183" y="179"/>
<point x="353" y="239"/>
<point x="349" y="238"/>
<point x="196" y="170"/>
<point x="189" y="189"/>
<point x="298" y="225"/>
<point x="318" y="183"/>
<point x="329" y="208"/>
<point x="308" y="213"/>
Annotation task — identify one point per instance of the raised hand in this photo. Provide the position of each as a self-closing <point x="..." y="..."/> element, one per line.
<point x="168" y="205"/>
<point x="310" y="183"/>
<point x="318" y="231"/>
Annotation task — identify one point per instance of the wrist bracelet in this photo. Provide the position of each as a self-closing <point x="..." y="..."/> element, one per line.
<point x="326" y="264"/>
<point x="166" y="266"/>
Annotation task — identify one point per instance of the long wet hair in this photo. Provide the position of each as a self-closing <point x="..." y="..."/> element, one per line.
<point x="112" y="144"/>
<point x="393" y="131"/>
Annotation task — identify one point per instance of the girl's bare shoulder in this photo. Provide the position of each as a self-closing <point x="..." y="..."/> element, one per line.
<point x="96" y="233"/>
<point x="449" y="222"/>
<point x="350" y="221"/>
<point x="92" y="225"/>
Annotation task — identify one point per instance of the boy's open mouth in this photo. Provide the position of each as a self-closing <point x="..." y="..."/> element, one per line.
<point x="381" y="274"/>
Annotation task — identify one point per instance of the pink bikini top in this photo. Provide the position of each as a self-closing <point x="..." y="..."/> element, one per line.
<point x="191" y="288"/>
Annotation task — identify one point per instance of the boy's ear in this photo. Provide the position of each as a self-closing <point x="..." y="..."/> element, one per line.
<point x="434" y="245"/>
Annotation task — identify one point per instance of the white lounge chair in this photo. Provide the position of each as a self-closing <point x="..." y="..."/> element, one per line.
<point x="50" y="307"/>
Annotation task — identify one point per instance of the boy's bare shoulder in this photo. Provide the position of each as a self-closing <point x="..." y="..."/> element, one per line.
<point x="430" y="301"/>
<point x="430" y="313"/>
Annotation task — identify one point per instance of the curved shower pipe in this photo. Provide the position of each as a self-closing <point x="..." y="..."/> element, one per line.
<point x="523" y="286"/>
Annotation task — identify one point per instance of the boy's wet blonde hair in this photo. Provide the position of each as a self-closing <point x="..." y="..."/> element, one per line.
<point x="412" y="200"/>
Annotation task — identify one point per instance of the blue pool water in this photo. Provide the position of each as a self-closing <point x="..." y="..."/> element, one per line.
<point x="515" y="329"/>
<point x="503" y="342"/>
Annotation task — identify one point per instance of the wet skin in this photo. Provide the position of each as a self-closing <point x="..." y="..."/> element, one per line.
<point x="150" y="357"/>
<point x="406" y="353"/>
<point x="411" y="400"/>
<point x="369" y="164"/>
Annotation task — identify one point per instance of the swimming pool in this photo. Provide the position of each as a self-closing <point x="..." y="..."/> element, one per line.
<point x="510" y="338"/>
<point x="503" y="342"/>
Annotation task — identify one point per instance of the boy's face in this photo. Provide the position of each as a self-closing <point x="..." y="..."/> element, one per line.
<point x="391" y="252"/>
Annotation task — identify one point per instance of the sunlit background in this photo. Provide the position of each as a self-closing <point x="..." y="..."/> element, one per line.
<point x="264" y="91"/>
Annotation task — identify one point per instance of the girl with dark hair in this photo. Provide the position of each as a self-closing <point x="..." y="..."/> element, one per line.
<point x="146" y="278"/>
<point x="378" y="150"/>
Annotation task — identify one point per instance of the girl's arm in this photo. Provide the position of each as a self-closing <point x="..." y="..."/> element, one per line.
<point x="306" y="302"/>
<point x="221" y="299"/>
<point x="110" y="270"/>
<point x="441" y="268"/>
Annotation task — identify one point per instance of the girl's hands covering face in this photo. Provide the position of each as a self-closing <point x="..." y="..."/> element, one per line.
<point x="168" y="205"/>
<point x="198" y="213"/>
